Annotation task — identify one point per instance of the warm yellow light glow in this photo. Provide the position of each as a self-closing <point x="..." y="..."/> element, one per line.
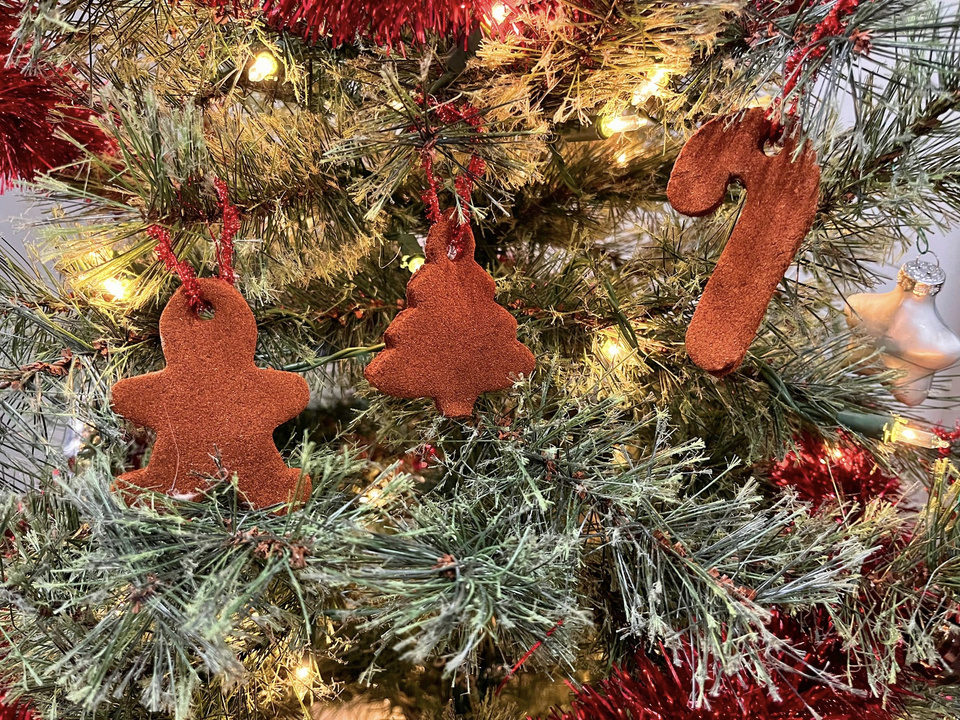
<point x="303" y="672"/>
<point x="116" y="287"/>
<point x="499" y="12"/>
<point x="651" y="87"/>
<point x="396" y="105"/>
<point x="898" y="431"/>
<point x="264" y="67"/>
<point x="622" y="158"/>
<point x="415" y="263"/>
<point x="613" y="349"/>
<point x="621" y="124"/>
<point x="371" y="496"/>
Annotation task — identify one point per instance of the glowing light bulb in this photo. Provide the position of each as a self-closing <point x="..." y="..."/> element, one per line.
<point x="836" y="452"/>
<point x="303" y="673"/>
<point x="264" y="67"/>
<point x="415" y="263"/>
<point x="651" y="87"/>
<point x="116" y="287"/>
<point x="499" y="12"/>
<point x="622" y="158"/>
<point x="371" y="496"/>
<point x="620" y="124"/>
<point x="613" y="349"/>
<point x="899" y="431"/>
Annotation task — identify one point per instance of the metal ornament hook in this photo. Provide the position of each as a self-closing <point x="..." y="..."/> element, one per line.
<point x="923" y="246"/>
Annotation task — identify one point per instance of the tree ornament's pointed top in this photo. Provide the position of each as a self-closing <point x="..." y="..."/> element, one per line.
<point x="448" y="241"/>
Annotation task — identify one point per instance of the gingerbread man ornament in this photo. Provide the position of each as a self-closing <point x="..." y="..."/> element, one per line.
<point x="211" y="399"/>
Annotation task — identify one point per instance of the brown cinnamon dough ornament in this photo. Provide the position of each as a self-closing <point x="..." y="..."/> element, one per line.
<point x="211" y="399"/>
<point x="453" y="342"/>
<point x="780" y="208"/>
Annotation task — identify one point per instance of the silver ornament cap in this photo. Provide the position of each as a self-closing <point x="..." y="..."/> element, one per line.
<point x="921" y="278"/>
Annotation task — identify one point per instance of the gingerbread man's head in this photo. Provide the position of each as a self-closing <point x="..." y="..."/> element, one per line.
<point x="229" y="336"/>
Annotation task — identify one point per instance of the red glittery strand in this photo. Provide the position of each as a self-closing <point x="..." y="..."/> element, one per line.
<point x="231" y="226"/>
<point x="834" y="24"/>
<point x="652" y="691"/>
<point x="813" y="633"/>
<point x="223" y="248"/>
<point x="36" y="111"/>
<point x="464" y="182"/>
<point x="14" y="711"/>
<point x="182" y="270"/>
<point x="844" y="473"/>
<point x="383" y="21"/>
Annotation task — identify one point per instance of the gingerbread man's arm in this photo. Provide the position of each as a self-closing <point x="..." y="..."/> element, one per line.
<point x="283" y="395"/>
<point x="139" y="399"/>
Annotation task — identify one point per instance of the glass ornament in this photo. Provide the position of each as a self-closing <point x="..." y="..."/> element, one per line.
<point x="905" y="325"/>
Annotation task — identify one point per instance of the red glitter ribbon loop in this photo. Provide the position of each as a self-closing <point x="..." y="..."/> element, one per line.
<point x="223" y="248"/>
<point x="231" y="225"/>
<point x="834" y="24"/>
<point x="464" y="182"/>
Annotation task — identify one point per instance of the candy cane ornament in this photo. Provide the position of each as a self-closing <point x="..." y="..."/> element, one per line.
<point x="782" y="193"/>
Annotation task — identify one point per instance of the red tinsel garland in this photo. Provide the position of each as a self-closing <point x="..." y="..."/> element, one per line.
<point x="383" y="21"/>
<point x="820" y="472"/>
<point x="39" y="114"/>
<point x="14" y="711"/>
<point x="810" y="43"/>
<point x="813" y="634"/>
<point x="655" y="692"/>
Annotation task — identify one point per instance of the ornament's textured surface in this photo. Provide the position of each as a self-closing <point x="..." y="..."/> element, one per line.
<point x="211" y="400"/>
<point x="906" y="327"/>
<point x="780" y="208"/>
<point x="453" y="342"/>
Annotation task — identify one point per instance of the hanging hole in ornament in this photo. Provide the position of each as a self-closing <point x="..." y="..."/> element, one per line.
<point x="207" y="312"/>
<point x="772" y="148"/>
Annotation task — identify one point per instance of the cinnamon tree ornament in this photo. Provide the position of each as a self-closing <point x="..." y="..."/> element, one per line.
<point x="780" y="208"/>
<point x="452" y="342"/>
<point x="905" y="325"/>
